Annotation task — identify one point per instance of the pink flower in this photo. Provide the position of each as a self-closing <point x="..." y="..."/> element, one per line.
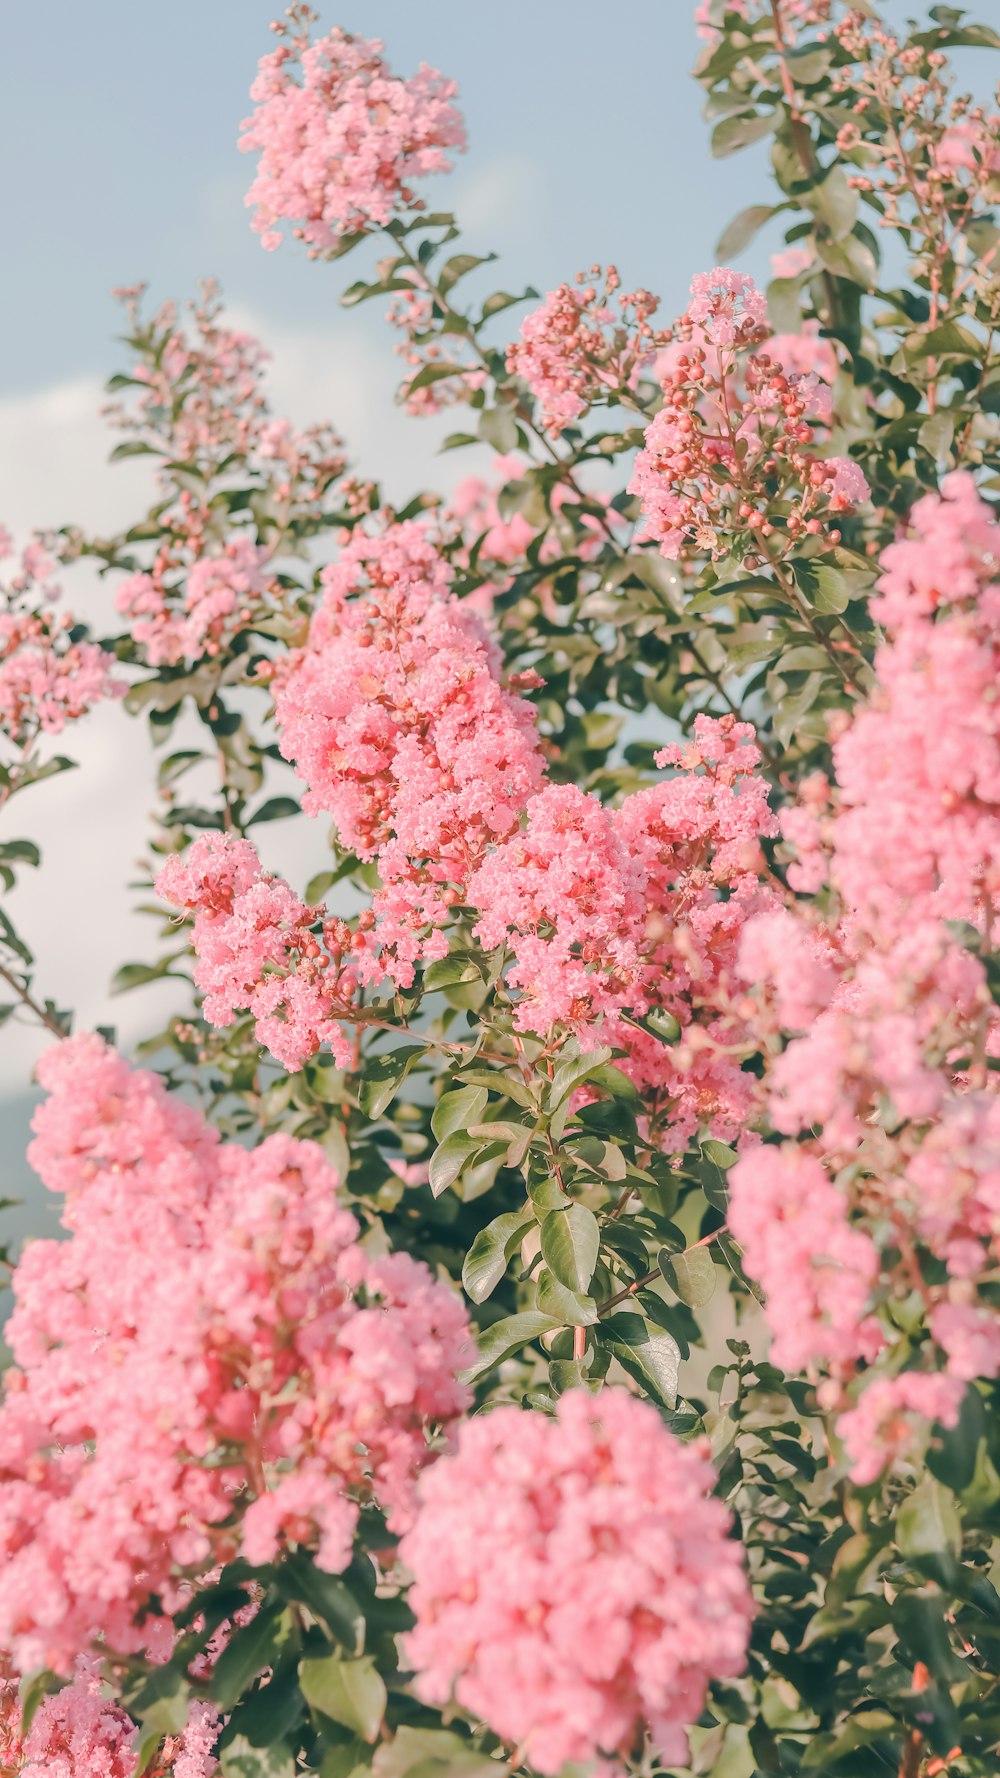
<point x="211" y="1362"/>
<point x="576" y="349"/>
<point x="817" y="1272"/>
<point x="574" y="1580"/>
<point x="78" y="1733"/>
<point x="341" y="145"/>
<point x="259" y="948"/>
<point x="892" y="1417"/>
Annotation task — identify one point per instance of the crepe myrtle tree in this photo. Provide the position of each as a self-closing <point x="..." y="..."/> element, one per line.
<point x="534" y="1307"/>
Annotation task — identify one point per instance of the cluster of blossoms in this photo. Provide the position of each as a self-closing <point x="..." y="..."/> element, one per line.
<point x="79" y="1732"/>
<point x="202" y="410"/>
<point x="937" y="169"/>
<point x="341" y="139"/>
<point x="395" y="716"/>
<point x="223" y="594"/>
<point x="210" y="1365"/>
<point x="47" y="678"/>
<point x="259" y="948"/>
<point x="614" y="913"/>
<point x="578" y="348"/>
<point x="731" y="453"/>
<point x="439" y="375"/>
<point x="537" y="1528"/>
<point x="887" y="1008"/>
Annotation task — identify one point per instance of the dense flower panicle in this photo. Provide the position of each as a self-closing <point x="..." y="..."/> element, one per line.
<point x="260" y="949"/>
<point x="341" y="140"/>
<point x="732" y="449"/>
<point x="46" y="678"/>
<point x="892" y="1419"/>
<point x="574" y="1580"/>
<point x="817" y="1271"/>
<point x="395" y="716"/>
<point x="568" y="898"/>
<point x="78" y="1733"/>
<point x="586" y="343"/>
<point x="886" y="1007"/>
<point x="614" y="912"/>
<point x="919" y="768"/>
<point x="209" y="1303"/>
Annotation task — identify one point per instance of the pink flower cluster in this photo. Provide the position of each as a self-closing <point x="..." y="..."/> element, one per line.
<point x="574" y="1580"/>
<point x="80" y="1732"/>
<point x="259" y="948"/>
<point x="341" y="140"/>
<point x="579" y="348"/>
<point x="46" y="678"/>
<point x="210" y="1365"/>
<point x="613" y="912"/>
<point x="395" y="716"/>
<point x="888" y="1019"/>
<point x="730" y="453"/>
<point x="223" y="594"/>
<point x="818" y="1272"/>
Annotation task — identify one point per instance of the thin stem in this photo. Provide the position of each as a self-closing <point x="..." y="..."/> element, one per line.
<point x="28" y="1000"/>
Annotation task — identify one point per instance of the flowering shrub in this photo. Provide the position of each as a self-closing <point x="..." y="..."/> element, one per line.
<point x="537" y="1308"/>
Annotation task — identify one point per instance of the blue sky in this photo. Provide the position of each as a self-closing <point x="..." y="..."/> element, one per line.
<point x="585" y="143"/>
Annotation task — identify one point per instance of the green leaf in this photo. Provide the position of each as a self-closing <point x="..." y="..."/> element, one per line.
<point x="571" y="1245"/>
<point x="433" y="1752"/>
<point x="740" y="232"/>
<point x="259" y="1644"/>
<point x="349" y="1692"/>
<point x="733" y="133"/>
<point x="611" y="1080"/>
<point x="690" y="1274"/>
<point x="383" y="1077"/>
<point x="241" y="1760"/>
<point x="948" y="340"/>
<point x="498" y="427"/>
<point x="277" y="808"/>
<point x="928" y="1522"/>
<point x="449" y="1158"/>
<point x="488" y="1257"/>
<point x="720" y="1153"/>
<point x="650" y="1355"/>
<point x="850" y="258"/>
<point x="457" y="1110"/>
<point x="505" y="1338"/>
<point x="458" y="266"/>
<point x="835" y="203"/>
<point x="569" y="1307"/>
<point x="444" y="972"/>
<point x="136" y="975"/>
<point x="327" y="1596"/>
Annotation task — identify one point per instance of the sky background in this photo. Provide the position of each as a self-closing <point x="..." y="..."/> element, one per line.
<point x="120" y="123"/>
